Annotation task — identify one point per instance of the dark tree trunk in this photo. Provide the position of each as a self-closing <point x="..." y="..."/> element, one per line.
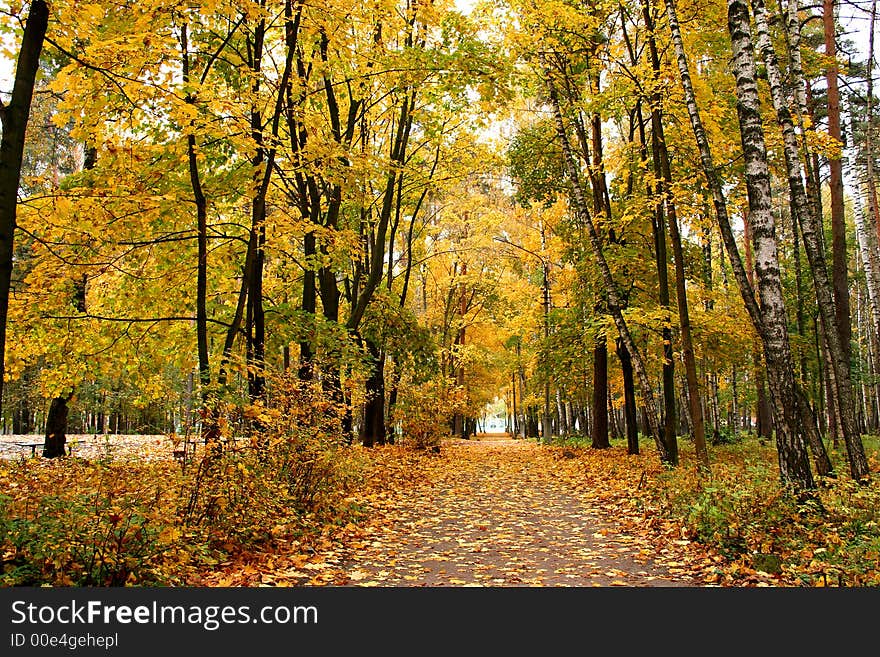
<point x="459" y="421"/>
<point x="659" y="144"/>
<point x="629" y="399"/>
<point x="393" y="393"/>
<point x="668" y="370"/>
<point x="331" y="381"/>
<point x="600" y="394"/>
<point x="610" y="288"/>
<point x="55" y="444"/>
<point x="262" y="163"/>
<point x="22" y="420"/>
<point x="201" y="204"/>
<point x="257" y="364"/>
<point x="373" y="428"/>
<point x="663" y="176"/>
<point x="14" y="118"/>
<point x="532" y="422"/>
<point x="309" y="306"/>
<point x="210" y="431"/>
<point x="835" y="183"/>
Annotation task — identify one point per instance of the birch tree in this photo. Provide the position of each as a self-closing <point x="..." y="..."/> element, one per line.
<point x="769" y="318"/>
<point x="808" y="220"/>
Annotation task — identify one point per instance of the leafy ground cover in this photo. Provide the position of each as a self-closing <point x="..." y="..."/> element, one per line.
<point x="493" y="513"/>
<point x="478" y="513"/>
<point x="122" y="518"/>
<point x="519" y="513"/>
<point x="741" y="514"/>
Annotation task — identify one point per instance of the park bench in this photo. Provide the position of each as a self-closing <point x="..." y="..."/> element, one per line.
<point x="33" y="446"/>
<point x="40" y="444"/>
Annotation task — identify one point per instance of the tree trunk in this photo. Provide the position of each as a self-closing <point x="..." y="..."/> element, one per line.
<point x="393" y="393"/>
<point x="687" y="346"/>
<point x="835" y="183"/>
<point x="668" y="369"/>
<point x="663" y="175"/>
<point x="22" y="422"/>
<point x="810" y="224"/>
<point x="257" y="361"/>
<point x="790" y="439"/>
<point x="763" y="412"/>
<point x="579" y="198"/>
<point x="201" y="204"/>
<point x="309" y="307"/>
<point x="373" y="427"/>
<point x="870" y="183"/>
<point x="867" y="238"/>
<point x="560" y="413"/>
<point x="769" y="320"/>
<point x="14" y="118"/>
<point x="600" y="394"/>
<point x="459" y="421"/>
<point x="56" y="428"/>
<point x="629" y="399"/>
<point x="870" y="262"/>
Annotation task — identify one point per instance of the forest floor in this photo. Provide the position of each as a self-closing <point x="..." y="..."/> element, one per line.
<point x="491" y="511"/>
<point x="485" y="512"/>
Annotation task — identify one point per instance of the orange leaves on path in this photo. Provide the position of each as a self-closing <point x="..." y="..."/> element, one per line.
<point x="499" y="513"/>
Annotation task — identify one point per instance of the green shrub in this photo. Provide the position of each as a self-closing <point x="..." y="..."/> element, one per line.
<point x="88" y="524"/>
<point x="743" y="514"/>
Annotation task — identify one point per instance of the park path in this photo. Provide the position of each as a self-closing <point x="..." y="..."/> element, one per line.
<point x="503" y="512"/>
<point x="491" y="512"/>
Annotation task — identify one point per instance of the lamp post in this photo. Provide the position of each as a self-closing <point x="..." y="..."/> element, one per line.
<point x="547" y="430"/>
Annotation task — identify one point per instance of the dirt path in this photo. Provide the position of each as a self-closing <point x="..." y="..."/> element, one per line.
<point x="499" y="513"/>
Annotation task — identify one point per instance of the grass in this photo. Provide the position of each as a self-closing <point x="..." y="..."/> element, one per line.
<point x="741" y="512"/>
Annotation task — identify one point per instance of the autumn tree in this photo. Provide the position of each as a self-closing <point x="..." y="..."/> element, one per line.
<point x="14" y="115"/>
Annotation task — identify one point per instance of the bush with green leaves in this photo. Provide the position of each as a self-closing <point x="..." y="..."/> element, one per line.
<point x="79" y="523"/>
<point x="743" y="513"/>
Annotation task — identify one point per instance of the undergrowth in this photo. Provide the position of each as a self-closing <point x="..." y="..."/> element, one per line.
<point x="742" y="513"/>
<point x="107" y="522"/>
